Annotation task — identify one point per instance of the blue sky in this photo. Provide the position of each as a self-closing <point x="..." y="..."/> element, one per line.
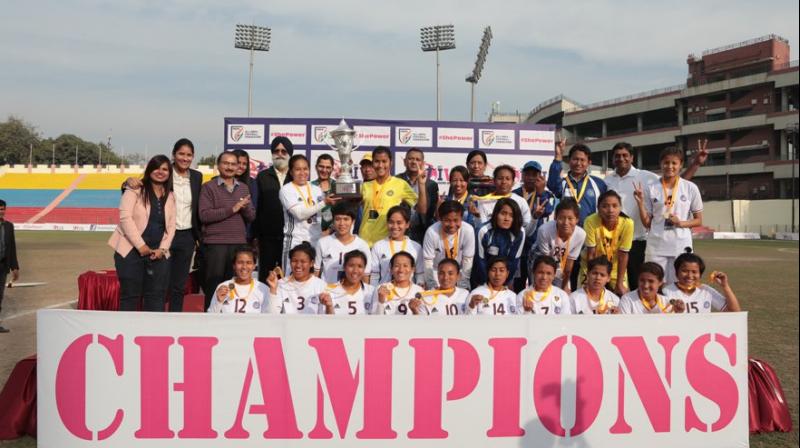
<point x="152" y="72"/>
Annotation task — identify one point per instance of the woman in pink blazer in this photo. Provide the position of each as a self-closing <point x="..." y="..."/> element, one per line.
<point x="142" y="239"/>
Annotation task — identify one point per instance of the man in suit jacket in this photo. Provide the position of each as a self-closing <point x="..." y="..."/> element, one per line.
<point x="268" y="227"/>
<point x="8" y="254"/>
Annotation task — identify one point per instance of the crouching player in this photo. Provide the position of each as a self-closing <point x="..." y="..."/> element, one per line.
<point x="543" y="297"/>
<point x="243" y="293"/>
<point x="700" y="298"/>
<point x="298" y="293"/>
<point x="394" y="297"/>
<point x="593" y="297"/>
<point x="350" y="295"/>
<point x="493" y="297"/>
<point x="646" y="299"/>
<point x="448" y="299"/>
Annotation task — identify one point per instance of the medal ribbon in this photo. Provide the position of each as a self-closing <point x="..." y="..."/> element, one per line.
<point x="376" y="194"/>
<point x="450" y="252"/>
<point x="668" y="206"/>
<point x="611" y="250"/>
<point x="578" y="196"/>
<point x="563" y="261"/>
<point x="309" y="200"/>
<point x="601" y="302"/>
<point x="233" y="295"/>
<point x="402" y="248"/>
<point x="435" y="293"/>
<point x="531" y="295"/>
<point x="658" y="302"/>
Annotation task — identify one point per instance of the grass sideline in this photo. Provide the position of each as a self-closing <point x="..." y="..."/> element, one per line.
<point x="764" y="275"/>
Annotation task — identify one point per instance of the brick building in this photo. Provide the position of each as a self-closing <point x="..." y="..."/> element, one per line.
<point x="742" y="97"/>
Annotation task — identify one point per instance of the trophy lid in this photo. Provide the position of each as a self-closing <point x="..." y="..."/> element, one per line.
<point x="342" y="129"/>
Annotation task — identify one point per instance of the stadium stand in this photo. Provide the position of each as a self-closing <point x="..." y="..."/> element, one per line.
<point x="86" y="197"/>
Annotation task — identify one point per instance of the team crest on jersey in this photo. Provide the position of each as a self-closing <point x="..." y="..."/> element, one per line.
<point x="683" y="198"/>
<point x="314" y="300"/>
<point x="368" y="306"/>
<point x="557" y="310"/>
<point x="707" y="305"/>
<point x="256" y="305"/>
<point x="512" y="309"/>
<point x="390" y="193"/>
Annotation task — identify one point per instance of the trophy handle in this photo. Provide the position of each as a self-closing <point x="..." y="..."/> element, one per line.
<point x="325" y="140"/>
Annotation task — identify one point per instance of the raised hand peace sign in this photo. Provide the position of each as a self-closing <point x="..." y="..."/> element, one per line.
<point x="638" y="192"/>
<point x="702" y="151"/>
<point x="539" y="210"/>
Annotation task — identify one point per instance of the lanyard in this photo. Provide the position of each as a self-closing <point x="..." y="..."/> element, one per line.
<point x="493" y="293"/>
<point x="450" y="252"/>
<point x="393" y="292"/>
<point x="578" y="196"/>
<point x="609" y="251"/>
<point x="463" y="198"/>
<point x="402" y="248"/>
<point x="669" y="204"/>
<point x="687" y="291"/>
<point x="309" y="200"/>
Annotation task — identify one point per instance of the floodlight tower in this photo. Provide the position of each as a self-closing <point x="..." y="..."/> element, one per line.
<point x="253" y="38"/>
<point x="473" y="77"/>
<point x="436" y="38"/>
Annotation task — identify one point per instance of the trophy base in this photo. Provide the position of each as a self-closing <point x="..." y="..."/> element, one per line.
<point x="348" y="190"/>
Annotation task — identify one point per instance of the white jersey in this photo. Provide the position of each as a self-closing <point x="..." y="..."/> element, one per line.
<point x="582" y="304"/>
<point x="624" y="186"/>
<point x="396" y="303"/>
<point x="665" y="239"/>
<point x="350" y="304"/>
<point x="298" y="298"/>
<point x="704" y="299"/>
<point x="444" y="305"/>
<point x="330" y="257"/>
<point x="486" y="207"/>
<point x="548" y="243"/>
<point x="382" y="253"/>
<point x="631" y="304"/>
<point x="499" y="303"/>
<point x="301" y="217"/>
<point x="433" y="252"/>
<point x="249" y="298"/>
<point x="556" y="301"/>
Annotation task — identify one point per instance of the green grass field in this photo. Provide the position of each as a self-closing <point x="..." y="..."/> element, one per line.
<point x="764" y="275"/>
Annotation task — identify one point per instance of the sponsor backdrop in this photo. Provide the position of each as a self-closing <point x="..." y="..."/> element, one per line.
<point x="212" y="380"/>
<point x="446" y="144"/>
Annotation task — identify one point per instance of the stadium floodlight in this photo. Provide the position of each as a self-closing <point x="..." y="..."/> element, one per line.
<point x="473" y="77"/>
<point x="253" y="38"/>
<point x="437" y="38"/>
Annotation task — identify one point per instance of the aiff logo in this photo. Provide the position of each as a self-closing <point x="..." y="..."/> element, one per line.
<point x="237" y="132"/>
<point x="487" y="137"/>
<point x="405" y="135"/>
<point x="319" y="134"/>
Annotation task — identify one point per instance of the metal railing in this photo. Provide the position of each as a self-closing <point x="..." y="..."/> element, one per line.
<point x="550" y="101"/>
<point x="633" y="96"/>
<point x="743" y="43"/>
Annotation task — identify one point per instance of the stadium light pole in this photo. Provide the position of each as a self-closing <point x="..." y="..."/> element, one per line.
<point x="437" y="38"/>
<point x="475" y="76"/>
<point x="253" y="38"/>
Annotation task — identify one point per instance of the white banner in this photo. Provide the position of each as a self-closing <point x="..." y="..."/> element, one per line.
<point x="296" y="133"/>
<point x="407" y="136"/>
<point x="180" y="380"/>
<point x="370" y="136"/>
<point x="245" y="134"/>
<point x="455" y="137"/>
<point x="536" y="140"/>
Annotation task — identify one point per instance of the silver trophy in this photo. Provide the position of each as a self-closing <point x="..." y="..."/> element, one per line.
<point x="343" y="139"/>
